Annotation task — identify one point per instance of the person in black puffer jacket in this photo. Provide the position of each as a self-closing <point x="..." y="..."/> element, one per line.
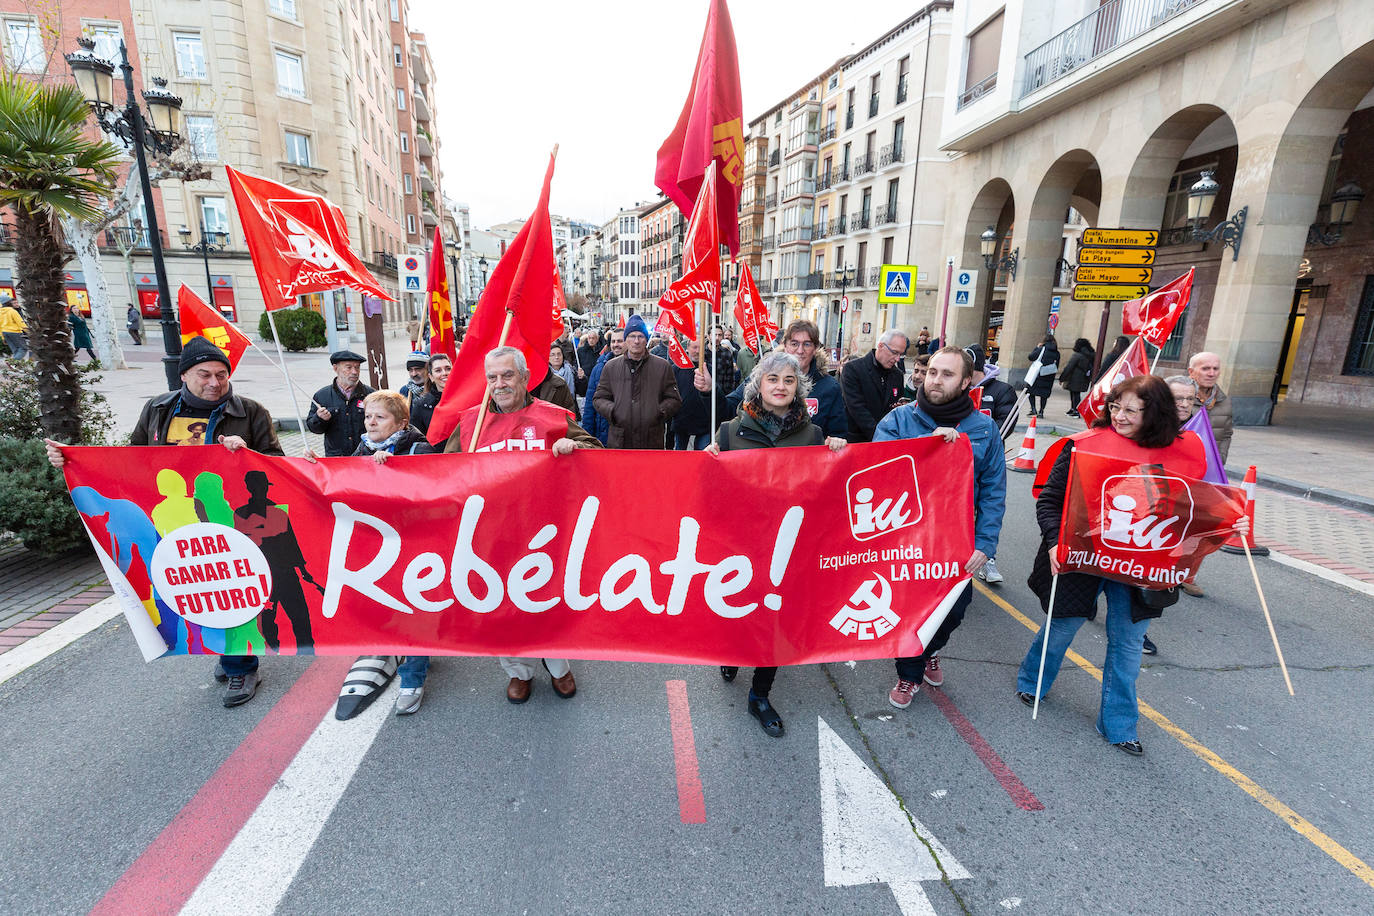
<point x="1041" y="386"/>
<point x="773" y="415"/>
<point x="422" y="407"/>
<point x="1077" y="375"/>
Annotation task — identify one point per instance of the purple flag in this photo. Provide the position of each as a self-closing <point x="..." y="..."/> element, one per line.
<point x="1202" y="425"/>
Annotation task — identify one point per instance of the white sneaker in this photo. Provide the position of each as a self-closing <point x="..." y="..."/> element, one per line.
<point x="989" y="573"/>
<point x="408" y="700"/>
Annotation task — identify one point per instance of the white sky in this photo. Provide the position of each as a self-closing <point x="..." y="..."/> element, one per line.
<point x="605" y="79"/>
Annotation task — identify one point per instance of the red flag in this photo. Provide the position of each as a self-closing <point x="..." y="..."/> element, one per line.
<point x="1153" y="316"/>
<point x="675" y="351"/>
<point x="298" y="242"/>
<point x="199" y="320"/>
<point x="1131" y="363"/>
<point x="1141" y="524"/>
<point x="700" y="260"/>
<point x="441" y="335"/>
<point x="521" y="287"/>
<point x="750" y="314"/>
<point x="560" y="301"/>
<point x="622" y="322"/>
<point x="709" y="129"/>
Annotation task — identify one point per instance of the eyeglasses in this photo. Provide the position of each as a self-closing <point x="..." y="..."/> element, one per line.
<point x="893" y="351"/>
<point x="1125" y="411"/>
<point x="801" y="344"/>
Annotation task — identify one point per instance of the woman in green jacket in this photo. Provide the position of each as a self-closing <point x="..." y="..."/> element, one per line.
<point x="773" y="414"/>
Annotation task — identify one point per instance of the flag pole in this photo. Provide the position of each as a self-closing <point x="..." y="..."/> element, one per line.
<point x="486" y="397"/>
<point x="1245" y="542"/>
<point x="290" y="385"/>
<point x="1158" y="351"/>
<point x="1045" y="643"/>
<point x="268" y="356"/>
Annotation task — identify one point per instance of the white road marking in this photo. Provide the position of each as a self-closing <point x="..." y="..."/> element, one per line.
<point x="254" y="873"/>
<point x="27" y="654"/>
<point x="868" y="838"/>
<point x="1009" y="903"/>
<point x="1321" y="572"/>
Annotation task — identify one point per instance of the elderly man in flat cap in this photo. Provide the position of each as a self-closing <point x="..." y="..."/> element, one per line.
<point x="337" y="411"/>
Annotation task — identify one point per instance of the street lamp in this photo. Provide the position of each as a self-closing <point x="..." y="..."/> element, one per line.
<point x="455" y="291"/>
<point x="161" y="135"/>
<point x="1345" y="201"/>
<point x="989" y="242"/>
<point x="846" y="276"/>
<point x="1201" y="196"/>
<point x="209" y="241"/>
<point x="482" y="265"/>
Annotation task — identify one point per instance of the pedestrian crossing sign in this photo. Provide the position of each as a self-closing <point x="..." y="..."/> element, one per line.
<point x="897" y="284"/>
<point x="413" y="284"/>
<point x="961" y="298"/>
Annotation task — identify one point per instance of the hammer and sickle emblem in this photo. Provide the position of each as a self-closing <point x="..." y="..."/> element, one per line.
<point x="727" y="145"/>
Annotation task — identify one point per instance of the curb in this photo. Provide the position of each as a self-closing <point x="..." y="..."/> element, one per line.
<point x="1307" y="491"/>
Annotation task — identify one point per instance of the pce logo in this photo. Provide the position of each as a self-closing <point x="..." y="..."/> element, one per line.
<point x="883" y="498"/>
<point x="1145" y="512"/>
<point x="868" y="613"/>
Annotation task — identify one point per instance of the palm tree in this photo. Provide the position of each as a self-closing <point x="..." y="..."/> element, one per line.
<point x="50" y="168"/>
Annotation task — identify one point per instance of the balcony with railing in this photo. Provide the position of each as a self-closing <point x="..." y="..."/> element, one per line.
<point x="820" y="230"/>
<point x="977" y="90"/>
<point x="802" y="187"/>
<point x="843" y="173"/>
<point x="863" y="165"/>
<point x="795" y="234"/>
<point x="849" y="118"/>
<point x="890" y="155"/>
<point x="873" y="274"/>
<point x="887" y="215"/>
<point x="1109" y="26"/>
<point x="830" y="132"/>
<point x="770" y="202"/>
<point x="775" y="158"/>
<point x="769" y="242"/>
<point x="824" y="181"/>
<point x="901" y="88"/>
<point x="860" y="221"/>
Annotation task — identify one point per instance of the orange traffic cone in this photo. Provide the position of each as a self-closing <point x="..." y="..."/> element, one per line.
<point x="1235" y="544"/>
<point x="1026" y="460"/>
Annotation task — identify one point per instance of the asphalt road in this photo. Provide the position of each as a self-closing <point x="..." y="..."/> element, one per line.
<point x="128" y="786"/>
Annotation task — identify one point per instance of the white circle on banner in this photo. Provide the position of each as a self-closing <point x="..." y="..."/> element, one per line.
<point x="211" y="575"/>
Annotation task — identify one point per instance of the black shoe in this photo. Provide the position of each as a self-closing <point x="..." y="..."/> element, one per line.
<point x="1134" y="748"/>
<point x="1150" y="648"/>
<point x="1027" y="699"/>
<point x="728" y="673"/>
<point x="768" y="717"/>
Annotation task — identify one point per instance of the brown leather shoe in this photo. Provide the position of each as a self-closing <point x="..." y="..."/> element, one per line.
<point x="1191" y="589"/>
<point x="565" y="686"/>
<point x="518" y="691"/>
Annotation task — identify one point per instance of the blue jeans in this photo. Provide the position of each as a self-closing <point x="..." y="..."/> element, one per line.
<point x="681" y="440"/>
<point x="235" y="665"/>
<point x="414" y="670"/>
<point x="1118" y="714"/>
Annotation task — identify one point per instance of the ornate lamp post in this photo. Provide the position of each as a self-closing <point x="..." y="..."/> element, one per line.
<point x="159" y="133"/>
<point x="846" y="276"/>
<point x="988" y="243"/>
<point x="1345" y="201"/>
<point x="1229" y="232"/>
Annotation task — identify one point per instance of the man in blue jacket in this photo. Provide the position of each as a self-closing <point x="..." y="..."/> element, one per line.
<point x="592" y="421"/>
<point x="943" y="407"/>
<point x="825" y="403"/>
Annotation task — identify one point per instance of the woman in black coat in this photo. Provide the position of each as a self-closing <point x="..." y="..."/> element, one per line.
<point x="1041" y="386"/>
<point x="1077" y="374"/>
<point x="772" y="415"/>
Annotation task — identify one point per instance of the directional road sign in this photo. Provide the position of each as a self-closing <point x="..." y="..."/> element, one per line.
<point x="1089" y="274"/>
<point x="1116" y="256"/>
<point x="1098" y="293"/>
<point x="1146" y="238"/>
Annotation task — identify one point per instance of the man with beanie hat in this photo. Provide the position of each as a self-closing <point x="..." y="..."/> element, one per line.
<point x="205" y="410"/>
<point x="337" y="411"/>
<point x="637" y="393"/>
<point x="417" y="366"/>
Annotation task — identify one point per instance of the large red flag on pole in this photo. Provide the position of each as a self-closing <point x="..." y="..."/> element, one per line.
<point x="199" y="320"/>
<point x="1154" y="315"/>
<point x="709" y="129"/>
<point x="1131" y="363"/>
<point x="513" y="311"/>
<point x="298" y="242"/>
<point x="441" y="334"/>
<point x="700" y="260"/>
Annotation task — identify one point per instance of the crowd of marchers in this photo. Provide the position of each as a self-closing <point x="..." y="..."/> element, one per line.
<point x="617" y="388"/>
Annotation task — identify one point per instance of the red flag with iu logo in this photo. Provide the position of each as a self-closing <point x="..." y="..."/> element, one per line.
<point x="709" y="129"/>
<point x="1141" y="524"/>
<point x="1131" y="363"/>
<point x="1153" y="316"/>
<point x="298" y="242"/>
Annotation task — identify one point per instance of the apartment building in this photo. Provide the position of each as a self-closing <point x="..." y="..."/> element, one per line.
<point x="1240" y="132"/>
<point x="660" y="225"/>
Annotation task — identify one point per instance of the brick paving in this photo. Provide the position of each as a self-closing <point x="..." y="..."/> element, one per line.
<point x="1339" y="539"/>
<point x="37" y="593"/>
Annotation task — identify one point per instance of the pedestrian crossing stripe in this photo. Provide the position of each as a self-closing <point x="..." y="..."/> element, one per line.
<point x="897" y="284"/>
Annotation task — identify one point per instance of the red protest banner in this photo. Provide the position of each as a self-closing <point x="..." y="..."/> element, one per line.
<point x="856" y="554"/>
<point x="1139" y="523"/>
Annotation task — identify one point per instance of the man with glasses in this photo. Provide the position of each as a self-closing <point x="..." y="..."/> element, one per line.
<point x="873" y="384"/>
<point x="802" y="339"/>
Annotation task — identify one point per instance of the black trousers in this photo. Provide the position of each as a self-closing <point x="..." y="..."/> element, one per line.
<point x="763" y="681"/>
<point x="1074" y="398"/>
<point x="912" y="669"/>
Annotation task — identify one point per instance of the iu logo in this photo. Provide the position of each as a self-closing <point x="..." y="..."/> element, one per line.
<point x="868" y="614"/>
<point x="883" y="498"/>
<point x="812" y="406"/>
<point x="1145" y="512"/>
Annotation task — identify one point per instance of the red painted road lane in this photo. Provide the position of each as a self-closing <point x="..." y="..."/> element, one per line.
<point x="1024" y="798"/>
<point x="690" y="801"/>
<point x="163" y="878"/>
